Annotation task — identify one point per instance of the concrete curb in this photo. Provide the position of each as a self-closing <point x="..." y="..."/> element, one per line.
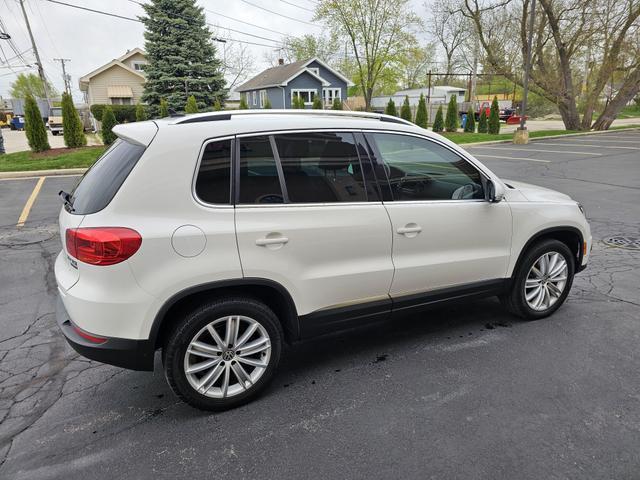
<point x="42" y="173"/>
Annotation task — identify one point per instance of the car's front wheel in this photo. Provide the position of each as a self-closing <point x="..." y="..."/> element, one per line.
<point x="542" y="281"/>
<point x="223" y="353"/>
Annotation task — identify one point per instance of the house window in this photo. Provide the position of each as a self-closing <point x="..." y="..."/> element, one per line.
<point x="120" y="101"/>
<point x="254" y="98"/>
<point x="263" y="98"/>
<point x="330" y="94"/>
<point x="315" y="70"/>
<point x="306" y="94"/>
<point x="139" y="66"/>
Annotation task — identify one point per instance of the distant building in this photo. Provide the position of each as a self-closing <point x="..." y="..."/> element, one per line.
<point x="439" y="94"/>
<point x="306" y="78"/>
<point x="119" y="82"/>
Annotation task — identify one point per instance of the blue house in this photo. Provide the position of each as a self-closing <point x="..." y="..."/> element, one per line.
<point x="306" y="78"/>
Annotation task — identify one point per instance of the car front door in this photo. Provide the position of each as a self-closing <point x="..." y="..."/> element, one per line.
<point x="309" y="219"/>
<point x="445" y="234"/>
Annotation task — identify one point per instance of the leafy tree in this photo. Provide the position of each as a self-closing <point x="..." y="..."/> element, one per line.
<point x="71" y="124"/>
<point x="108" y="122"/>
<point x="181" y="55"/>
<point x="494" y="117"/>
<point x="405" y="111"/>
<point x="243" y="103"/>
<point x="317" y="103"/>
<point x="483" y="127"/>
<point x="267" y="104"/>
<point x="422" y="117"/>
<point x="34" y="126"/>
<point x="391" y="108"/>
<point x="337" y="104"/>
<point x="438" y="123"/>
<point x="141" y="113"/>
<point x="164" y="108"/>
<point x="217" y="106"/>
<point x="470" y="126"/>
<point x="191" y="106"/>
<point x="451" y="120"/>
<point x="30" y="84"/>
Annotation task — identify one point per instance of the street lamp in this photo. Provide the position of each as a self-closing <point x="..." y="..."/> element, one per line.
<point x="521" y="135"/>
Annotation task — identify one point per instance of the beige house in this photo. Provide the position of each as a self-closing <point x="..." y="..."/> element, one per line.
<point x="119" y="82"/>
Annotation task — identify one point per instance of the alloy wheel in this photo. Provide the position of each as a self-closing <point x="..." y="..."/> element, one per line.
<point x="546" y="281"/>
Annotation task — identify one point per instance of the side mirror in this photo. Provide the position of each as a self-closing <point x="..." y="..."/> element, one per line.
<point x="494" y="192"/>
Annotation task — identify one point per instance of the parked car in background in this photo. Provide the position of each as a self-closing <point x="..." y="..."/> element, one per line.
<point x="280" y="225"/>
<point x="17" y="123"/>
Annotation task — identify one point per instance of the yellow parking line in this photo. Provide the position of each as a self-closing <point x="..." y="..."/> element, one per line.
<point x="30" y="201"/>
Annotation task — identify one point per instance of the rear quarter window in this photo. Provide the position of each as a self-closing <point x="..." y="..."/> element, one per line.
<point x="100" y="183"/>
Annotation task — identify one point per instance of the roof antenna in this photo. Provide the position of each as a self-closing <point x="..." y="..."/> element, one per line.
<point x="173" y="113"/>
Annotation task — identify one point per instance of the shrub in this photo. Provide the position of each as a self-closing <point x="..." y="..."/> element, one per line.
<point x="391" y="108"/>
<point x="438" y="123"/>
<point x="267" y="104"/>
<point x="494" y="117"/>
<point x="470" y="126"/>
<point x="337" y="104"/>
<point x="34" y="126"/>
<point x="405" y="110"/>
<point x="123" y="113"/>
<point x="451" y="120"/>
<point x="191" y="106"/>
<point x="108" y="122"/>
<point x="72" y="128"/>
<point x="297" y="102"/>
<point x="317" y="103"/>
<point x="482" y="123"/>
<point x="217" y="106"/>
<point x="141" y="112"/>
<point x="422" y="117"/>
<point x="164" y="108"/>
<point x="243" y="103"/>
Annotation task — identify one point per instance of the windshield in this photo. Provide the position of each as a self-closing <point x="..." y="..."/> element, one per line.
<point x="55" y="112"/>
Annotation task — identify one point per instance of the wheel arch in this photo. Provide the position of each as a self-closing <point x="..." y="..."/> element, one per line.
<point x="271" y="293"/>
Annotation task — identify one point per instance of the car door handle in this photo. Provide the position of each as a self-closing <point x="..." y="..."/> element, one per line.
<point x="263" y="242"/>
<point x="409" y="229"/>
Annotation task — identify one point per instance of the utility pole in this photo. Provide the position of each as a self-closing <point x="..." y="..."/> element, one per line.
<point x="521" y="135"/>
<point x="35" y="51"/>
<point x="65" y="77"/>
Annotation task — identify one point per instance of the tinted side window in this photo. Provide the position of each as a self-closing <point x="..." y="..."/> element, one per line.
<point x="419" y="169"/>
<point x="213" y="184"/>
<point x="101" y="182"/>
<point x="321" y="167"/>
<point x="259" y="181"/>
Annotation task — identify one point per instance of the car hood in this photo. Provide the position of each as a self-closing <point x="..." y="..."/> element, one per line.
<point x="534" y="193"/>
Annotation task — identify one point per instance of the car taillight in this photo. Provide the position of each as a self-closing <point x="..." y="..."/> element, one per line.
<point x="102" y="245"/>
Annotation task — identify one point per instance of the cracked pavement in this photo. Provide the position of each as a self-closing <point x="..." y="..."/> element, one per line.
<point x="462" y="391"/>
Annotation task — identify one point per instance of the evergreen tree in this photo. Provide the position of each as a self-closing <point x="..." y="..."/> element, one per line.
<point x="405" y="111"/>
<point x="494" y="117"/>
<point x="108" y="122"/>
<point x="317" y="103"/>
<point x="451" y="120"/>
<point x="217" y="106"/>
<point x="243" y="103"/>
<point x="298" y="103"/>
<point x="191" y="106"/>
<point x="141" y="113"/>
<point x="391" y="108"/>
<point x="267" y="104"/>
<point x="482" y="123"/>
<point x="422" y="117"/>
<point x="181" y="55"/>
<point x="470" y="126"/>
<point x="164" y="108"/>
<point x="72" y="128"/>
<point x="34" y="126"/>
<point x="337" y="104"/>
<point x="438" y="123"/>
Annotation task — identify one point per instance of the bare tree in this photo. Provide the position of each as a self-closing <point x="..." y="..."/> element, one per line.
<point x="413" y="65"/>
<point x="378" y="30"/>
<point x="237" y="63"/>
<point x="450" y="29"/>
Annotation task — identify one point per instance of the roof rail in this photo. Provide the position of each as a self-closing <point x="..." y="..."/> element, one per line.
<point x="227" y="114"/>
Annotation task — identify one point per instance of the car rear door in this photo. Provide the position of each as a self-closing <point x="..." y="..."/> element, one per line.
<point x="445" y="234"/>
<point x="309" y="217"/>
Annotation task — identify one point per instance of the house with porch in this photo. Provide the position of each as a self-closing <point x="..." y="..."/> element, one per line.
<point x="305" y="78"/>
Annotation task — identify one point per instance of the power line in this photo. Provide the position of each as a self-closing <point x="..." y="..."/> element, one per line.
<point x="239" y="21"/>
<point x="280" y="14"/>
<point x="297" y="6"/>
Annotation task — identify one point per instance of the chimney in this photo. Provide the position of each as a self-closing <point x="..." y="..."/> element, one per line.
<point x="281" y="61"/>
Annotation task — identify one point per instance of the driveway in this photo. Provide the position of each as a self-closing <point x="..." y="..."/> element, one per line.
<point x="16" y="140"/>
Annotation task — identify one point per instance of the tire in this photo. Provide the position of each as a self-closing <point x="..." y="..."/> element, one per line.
<point x="516" y="301"/>
<point x="222" y="362"/>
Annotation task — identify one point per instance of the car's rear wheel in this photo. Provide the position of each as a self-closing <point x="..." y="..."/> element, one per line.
<point x="223" y="353"/>
<point x="542" y="281"/>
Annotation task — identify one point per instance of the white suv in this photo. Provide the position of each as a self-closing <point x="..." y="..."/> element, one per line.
<point x="219" y="237"/>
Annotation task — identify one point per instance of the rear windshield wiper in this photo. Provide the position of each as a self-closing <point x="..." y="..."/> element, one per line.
<point x="67" y="199"/>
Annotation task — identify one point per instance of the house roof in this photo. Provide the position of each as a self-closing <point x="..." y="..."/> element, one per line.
<point x="281" y="75"/>
<point x="115" y="62"/>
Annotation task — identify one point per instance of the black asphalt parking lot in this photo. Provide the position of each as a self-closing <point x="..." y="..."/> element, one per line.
<point x="463" y="391"/>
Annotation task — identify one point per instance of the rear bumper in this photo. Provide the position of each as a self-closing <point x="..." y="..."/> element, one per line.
<point x="121" y="352"/>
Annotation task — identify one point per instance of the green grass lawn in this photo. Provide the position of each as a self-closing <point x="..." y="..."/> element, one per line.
<point x="52" y="159"/>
